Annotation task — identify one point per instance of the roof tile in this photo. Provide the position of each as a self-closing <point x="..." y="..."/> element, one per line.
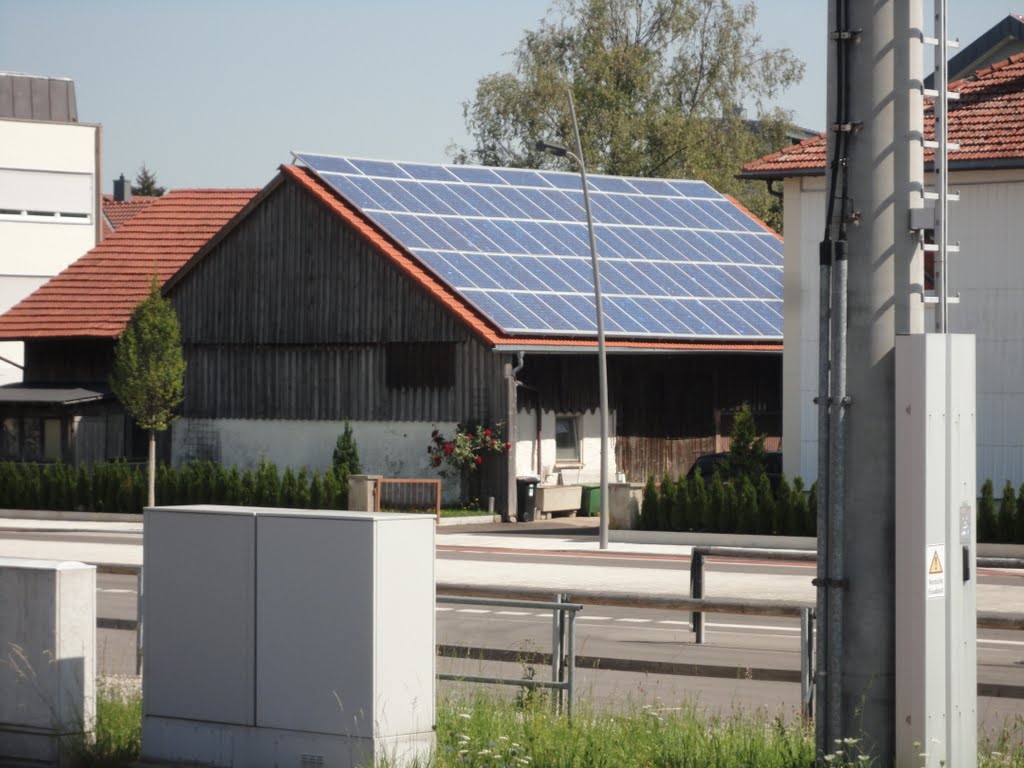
<point x="95" y="296"/>
<point x="985" y="122"/>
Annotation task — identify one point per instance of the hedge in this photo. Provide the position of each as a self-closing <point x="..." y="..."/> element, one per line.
<point x="121" y="487"/>
<point x="739" y="506"/>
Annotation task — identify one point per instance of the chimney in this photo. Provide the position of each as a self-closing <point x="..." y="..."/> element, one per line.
<point x="122" y="190"/>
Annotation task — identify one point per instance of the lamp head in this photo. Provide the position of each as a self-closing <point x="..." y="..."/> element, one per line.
<point x="552" y="149"/>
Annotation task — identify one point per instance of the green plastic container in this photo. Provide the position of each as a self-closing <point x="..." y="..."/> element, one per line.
<point x="590" y="505"/>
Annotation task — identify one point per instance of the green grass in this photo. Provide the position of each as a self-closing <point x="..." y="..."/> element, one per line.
<point x="488" y="731"/>
<point x="118" y="730"/>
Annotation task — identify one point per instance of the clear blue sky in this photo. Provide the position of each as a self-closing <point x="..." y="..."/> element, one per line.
<point x="217" y="93"/>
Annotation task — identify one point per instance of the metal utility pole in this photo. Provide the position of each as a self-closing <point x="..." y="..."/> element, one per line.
<point x="882" y="178"/>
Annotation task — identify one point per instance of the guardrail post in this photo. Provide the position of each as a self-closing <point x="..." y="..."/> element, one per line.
<point x="571" y="662"/>
<point x="807" y="663"/>
<point x="697" y="592"/>
<point x="138" y="626"/>
<point x="557" y="642"/>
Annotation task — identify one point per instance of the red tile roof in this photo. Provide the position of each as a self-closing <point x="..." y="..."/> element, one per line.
<point x="118" y="212"/>
<point x="95" y="296"/>
<point x="476" y="322"/>
<point x="986" y="122"/>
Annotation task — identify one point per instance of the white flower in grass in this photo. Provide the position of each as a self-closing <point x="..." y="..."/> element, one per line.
<point x="465" y="715"/>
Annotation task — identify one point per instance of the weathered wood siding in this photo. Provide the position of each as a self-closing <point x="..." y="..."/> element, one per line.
<point x="289" y="317"/>
<point x="77" y="362"/>
<point x="668" y="407"/>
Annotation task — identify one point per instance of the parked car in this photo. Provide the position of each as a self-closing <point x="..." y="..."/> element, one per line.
<point x="706" y="465"/>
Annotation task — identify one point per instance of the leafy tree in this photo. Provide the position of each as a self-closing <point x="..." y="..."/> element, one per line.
<point x="659" y="87"/>
<point x="145" y="183"/>
<point x="149" y="370"/>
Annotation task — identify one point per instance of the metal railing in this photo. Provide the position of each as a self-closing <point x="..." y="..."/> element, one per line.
<point x="409" y="493"/>
<point x="563" y="646"/>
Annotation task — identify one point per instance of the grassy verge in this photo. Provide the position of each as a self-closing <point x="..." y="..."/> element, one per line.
<point x="118" y="729"/>
<point x="485" y="730"/>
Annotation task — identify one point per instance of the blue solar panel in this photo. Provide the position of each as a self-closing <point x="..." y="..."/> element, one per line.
<point x="678" y="259"/>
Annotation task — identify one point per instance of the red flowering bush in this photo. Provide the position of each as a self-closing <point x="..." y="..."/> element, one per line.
<point x="465" y="450"/>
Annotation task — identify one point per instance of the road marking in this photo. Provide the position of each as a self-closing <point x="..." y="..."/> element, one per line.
<point x="439" y="609"/>
<point x="117" y="591"/>
<point x="513" y="613"/>
<point x="680" y="623"/>
<point x="593" y="618"/>
<point x="472" y="610"/>
<point x="760" y="627"/>
<point x="635" y="621"/>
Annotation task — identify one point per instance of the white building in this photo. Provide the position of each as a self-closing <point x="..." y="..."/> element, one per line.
<point x="988" y="273"/>
<point x="49" y="191"/>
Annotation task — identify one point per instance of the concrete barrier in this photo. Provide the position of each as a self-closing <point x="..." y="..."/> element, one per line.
<point x="48" y="662"/>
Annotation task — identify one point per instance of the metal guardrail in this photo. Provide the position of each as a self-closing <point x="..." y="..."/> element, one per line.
<point x="563" y="646"/>
<point x="563" y="660"/>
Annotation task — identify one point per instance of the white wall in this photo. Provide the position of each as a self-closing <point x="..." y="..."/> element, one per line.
<point x="389" y="448"/>
<point x="804" y="212"/>
<point x="988" y="274"/>
<point x="47" y="168"/>
<point x="588" y="470"/>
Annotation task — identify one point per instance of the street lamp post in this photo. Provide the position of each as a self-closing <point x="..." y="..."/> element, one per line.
<point x="602" y="360"/>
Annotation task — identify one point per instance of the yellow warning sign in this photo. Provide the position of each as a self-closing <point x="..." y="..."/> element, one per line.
<point x="935" y="580"/>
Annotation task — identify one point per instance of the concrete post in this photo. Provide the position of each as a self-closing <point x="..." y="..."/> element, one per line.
<point x="48" y="647"/>
<point x="885" y="180"/>
<point x="360" y="492"/>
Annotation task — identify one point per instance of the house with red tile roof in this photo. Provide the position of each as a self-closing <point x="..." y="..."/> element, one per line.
<point x="314" y="308"/>
<point x="64" y="409"/>
<point x="122" y="205"/>
<point x="987" y="170"/>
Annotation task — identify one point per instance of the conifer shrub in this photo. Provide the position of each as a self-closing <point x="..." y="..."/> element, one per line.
<point x="681" y="511"/>
<point x="746" y="506"/>
<point x="333" y="498"/>
<point x="289" y="488"/>
<point x="248" y="495"/>
<point x="316" y="491"/>
<point x="649" y="506"/>
<point x="268" y="485"/>
<point x="700" y="503"/>
<point x="797" y="507"/>
<point x="1018" y="528"/>
<point x="1005" y="522"/>
<point x="987" y="528"/>
<point x="810" y="518"/>
<point x="666" y="501"/>
<point x="716" y="502"/>
<point x="302" y="498"/>
<point x="783" y="513"/>
<point x="766" y="518"/>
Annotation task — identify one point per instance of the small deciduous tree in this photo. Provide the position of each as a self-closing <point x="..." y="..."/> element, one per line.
<point x="149" y="370"/>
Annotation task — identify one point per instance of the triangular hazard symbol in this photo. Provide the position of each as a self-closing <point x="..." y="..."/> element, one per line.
<point x="936" y="566"/>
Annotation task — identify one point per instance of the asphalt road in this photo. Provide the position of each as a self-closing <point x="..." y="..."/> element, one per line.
<point x="620" y="633"/>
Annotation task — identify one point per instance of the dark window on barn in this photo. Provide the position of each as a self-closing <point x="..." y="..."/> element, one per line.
<point x="567" y="441"/>
<point x="419" y="365"/>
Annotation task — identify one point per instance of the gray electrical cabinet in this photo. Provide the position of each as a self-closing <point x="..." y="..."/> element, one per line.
<point x="936" y="606"/>
<point x="288" y="637"/>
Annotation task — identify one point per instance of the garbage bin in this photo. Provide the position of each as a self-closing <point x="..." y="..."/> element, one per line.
<point x="590" y="506"/>
<point x="526" y="498"/>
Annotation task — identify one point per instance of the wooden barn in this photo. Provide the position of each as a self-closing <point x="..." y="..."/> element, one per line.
<point x="398" y="299"/>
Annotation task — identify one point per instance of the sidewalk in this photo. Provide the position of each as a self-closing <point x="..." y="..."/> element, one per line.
<point x="487" y="553"/>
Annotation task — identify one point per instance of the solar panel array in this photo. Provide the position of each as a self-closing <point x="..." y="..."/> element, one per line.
<point x="677" y="259"/>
